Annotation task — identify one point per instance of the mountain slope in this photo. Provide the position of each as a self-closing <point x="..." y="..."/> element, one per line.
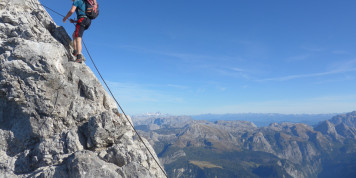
<point x="56" y="120"/>
<point x="240" y="149"/>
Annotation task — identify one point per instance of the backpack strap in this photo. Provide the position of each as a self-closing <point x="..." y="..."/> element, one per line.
<point x="94" y="4"/>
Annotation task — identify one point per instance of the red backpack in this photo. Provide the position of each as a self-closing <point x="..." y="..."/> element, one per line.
<point x="92" y="9"/>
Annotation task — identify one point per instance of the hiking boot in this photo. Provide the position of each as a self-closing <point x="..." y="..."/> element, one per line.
<point x="75" y="52"/>
<point x="79" y="58"/>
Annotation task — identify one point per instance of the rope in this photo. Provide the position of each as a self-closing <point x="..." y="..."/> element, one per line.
<point x="52" y="10"/>
<point x="122" y="109"/>
<point x="102" y="78"/>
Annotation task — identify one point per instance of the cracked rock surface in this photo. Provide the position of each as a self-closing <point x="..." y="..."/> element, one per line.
<point x="56" y="119"/>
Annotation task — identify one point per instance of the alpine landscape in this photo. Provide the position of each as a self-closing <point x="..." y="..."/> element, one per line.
<point x="57" y="120"/>
<point x="198" y="148"/>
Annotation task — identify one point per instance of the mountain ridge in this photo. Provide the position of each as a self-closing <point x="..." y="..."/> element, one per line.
<point x="289" y="149"/>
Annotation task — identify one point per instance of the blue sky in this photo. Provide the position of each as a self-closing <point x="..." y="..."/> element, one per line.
<point x="227" y="56"/>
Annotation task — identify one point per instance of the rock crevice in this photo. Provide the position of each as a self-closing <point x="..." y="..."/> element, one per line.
<point x="56" y="119"/>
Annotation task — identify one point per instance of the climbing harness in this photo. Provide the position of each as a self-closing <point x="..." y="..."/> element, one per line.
<point x="102" y="78"/>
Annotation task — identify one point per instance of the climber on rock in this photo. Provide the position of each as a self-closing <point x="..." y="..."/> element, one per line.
<point x="82" y="24"/>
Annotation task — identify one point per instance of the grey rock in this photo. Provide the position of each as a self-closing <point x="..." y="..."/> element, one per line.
<point x="105" y="129"/>
<point x="134" y="167"/>
<point x="7" y="18"/>
<point x="87" y="164"/>
<point x="56" y="119"/>
<point x="74" y="142"/>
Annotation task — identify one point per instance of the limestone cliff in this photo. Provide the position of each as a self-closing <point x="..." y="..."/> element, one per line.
<point x="56" y="119"/>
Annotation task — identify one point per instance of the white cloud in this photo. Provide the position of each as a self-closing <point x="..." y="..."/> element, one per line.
<point x="183" y="56"/>
<point x="238" y="69"/>
<point x="221" y="88"/>
<point x="338" y="79"/>
<point x="313" y="48"/>
<point x="182" y="87"/>
<point x="232" y="72"/>
<point x="326" y="104"/>
<point x="344" y="65"/>
<point x="136" y="93"/>
<point x="336" y="68"/>
<point x="342" y="52"/>
<point x="291" y="77"/>
<point x="298" y="57"/>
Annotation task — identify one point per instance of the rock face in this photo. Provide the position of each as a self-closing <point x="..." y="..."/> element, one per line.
<point x="56" y="119"/>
